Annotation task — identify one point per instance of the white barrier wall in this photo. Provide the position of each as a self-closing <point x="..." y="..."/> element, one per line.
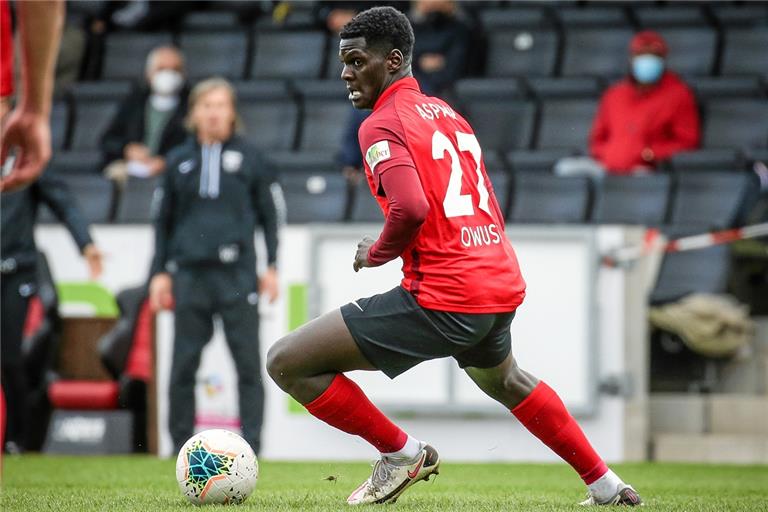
<point x="580" y="325"/>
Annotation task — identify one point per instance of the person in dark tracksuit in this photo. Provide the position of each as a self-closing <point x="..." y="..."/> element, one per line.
<point x="215" y="190"/>
<point x="18" y="277"/>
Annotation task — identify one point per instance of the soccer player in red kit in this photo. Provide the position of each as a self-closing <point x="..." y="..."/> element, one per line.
<point x="461" y="283"/>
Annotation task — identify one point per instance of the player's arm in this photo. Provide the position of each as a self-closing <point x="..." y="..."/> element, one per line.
<point x="28" y="128"/>
<point x="408" y="209"/>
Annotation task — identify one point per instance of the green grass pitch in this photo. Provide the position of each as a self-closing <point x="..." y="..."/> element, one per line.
<point x="147" y="484"/>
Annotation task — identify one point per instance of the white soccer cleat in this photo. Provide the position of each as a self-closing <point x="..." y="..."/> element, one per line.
<point x="625" y="496"/>
<point x="389" y="479"/>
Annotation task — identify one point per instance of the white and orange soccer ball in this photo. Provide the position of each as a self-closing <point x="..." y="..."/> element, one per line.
<point x="216" y="466"/>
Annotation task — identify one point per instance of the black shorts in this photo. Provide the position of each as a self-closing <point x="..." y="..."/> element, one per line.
<point x="395" y="334"/>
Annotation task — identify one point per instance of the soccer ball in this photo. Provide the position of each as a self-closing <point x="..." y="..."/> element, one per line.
<point x="216" y="466"/>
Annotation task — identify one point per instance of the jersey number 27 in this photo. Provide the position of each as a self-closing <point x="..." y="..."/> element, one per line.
<point x="455" y="203"/>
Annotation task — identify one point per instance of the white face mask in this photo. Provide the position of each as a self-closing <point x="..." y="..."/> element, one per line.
<point x="167" y="82"/>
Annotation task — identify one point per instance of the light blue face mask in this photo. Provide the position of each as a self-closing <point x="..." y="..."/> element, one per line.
<point x="647" y="69"/>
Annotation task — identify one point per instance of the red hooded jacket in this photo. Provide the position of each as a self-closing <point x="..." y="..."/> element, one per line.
<point x="629" y="119"/>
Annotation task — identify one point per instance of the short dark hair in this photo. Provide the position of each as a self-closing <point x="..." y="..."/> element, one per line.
<point x="384" y="28"/>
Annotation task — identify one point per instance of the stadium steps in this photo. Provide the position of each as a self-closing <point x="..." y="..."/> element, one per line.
<point x="710" y="448"/>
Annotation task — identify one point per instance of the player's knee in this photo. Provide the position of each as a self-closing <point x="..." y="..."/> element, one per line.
<point x="517" y="383"/>
<point x="278" y="360"/>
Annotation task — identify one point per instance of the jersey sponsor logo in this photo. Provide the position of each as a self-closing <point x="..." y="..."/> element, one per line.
<point x="231" y="161"/>
<point x="377" y="153"/>
<point x="186" y="166"/>
<point x="229" y="253"/>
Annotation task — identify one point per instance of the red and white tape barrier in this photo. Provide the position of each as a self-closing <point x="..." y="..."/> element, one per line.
<point x="654" y="241"/>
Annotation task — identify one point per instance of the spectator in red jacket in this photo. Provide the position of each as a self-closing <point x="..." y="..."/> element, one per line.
<point x="646" y="117"/>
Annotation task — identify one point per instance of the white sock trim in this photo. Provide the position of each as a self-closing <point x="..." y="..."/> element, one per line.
<point x="409" y="451"/>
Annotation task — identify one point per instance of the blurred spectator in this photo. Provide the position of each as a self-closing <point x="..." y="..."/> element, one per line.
<point x="19" y="281"/>
<point x="648" y="116"/>
<point x="441" y="47"/>
<point x="642" y="120"/>
<point x="349" y="157"/>
<point x="150" y="121"/>
<point x="217" y="188"/>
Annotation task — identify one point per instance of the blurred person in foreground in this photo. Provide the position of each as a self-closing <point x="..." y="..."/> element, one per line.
<point x="18" y="270"/>
<point x="25" y="133"/>
<point x="150" y="121"/>
<point x="216" y="190"/>
<point x="642" y="120"/>
<point x="461" y="286"/>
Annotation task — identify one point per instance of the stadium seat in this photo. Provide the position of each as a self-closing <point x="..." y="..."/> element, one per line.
<point x="544" y="198"/>
<point x="710" y="199"/>
<point x="677" y="15"/>
<point x="76" y="162"/>
<point x="136" y="202"/>
<point x="314" y="196"/>
<point x="744" y="51"/>
<point x="595" y="51"/>
<point x="363" y="207"/>
<point x="698" y="271"/>
<point x="59" y="125"/>
<point x="209" y="53"/>
<point x="95" y="104"/>
<point x="528" y="16"/>
<point x="567" y="87"/>
<point x="501" y="183"/>
<point x="536" y="160"/>
<point x="494" y="161"/>
<point x="125" y="53"/>
<point x="707" y="160"/>
<point x="307" y="161"/>
<point x="288" y="54"/>
<point x="632" y="200"/>
<point x="740" y="14"/>
<point x="333" y="66"/>
<point x="269" y="113"/>
<point x="500" y="116"/>
<point x="94" y="195"/>
<point x="518" y="51"/>
<point x="324" y="113"/>
<point x="727" y="87"/>
<point x="691" y="49"/>
<point x="210" y="20"/>
<point x="736" y="123"/>
<point x="593" y="16"/>
<point x="565" y="123"/>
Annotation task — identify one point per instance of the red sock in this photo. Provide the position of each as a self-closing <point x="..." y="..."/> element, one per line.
<point x="545" y="416"/>
<point x="344" y="406"/>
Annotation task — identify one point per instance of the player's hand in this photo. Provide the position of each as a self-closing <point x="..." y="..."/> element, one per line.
<point x="361" y="258"/>
<point x="161" y="292"/>
<point x="30" y="134"/>
<point x="93" y="256"/>
<point x="268" y="285"/>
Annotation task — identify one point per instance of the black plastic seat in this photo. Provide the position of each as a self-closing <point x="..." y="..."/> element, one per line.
<point x="517" y="51"/>
<point x="744" y="51"/>
<point x="137" y="201"/>
<point x="59" y="124"/>
<point x="736" y="123"/>
<point x="125" y="53"/>
<point x="711" y="199"/>
<point x="94" y="195"/>
<point x="593" y="16"/>
<point x="325" y="108"/>
<point x="707" y="160"/>
<point x="95" y="105"/>
<point x="314" y="197"/>
<point x="566" y="123"/>
<point x="710" y="87"/>
<point x="697" y="271"/>
<point x="214" y="53"/>
<point x="539" y="160"/>
<point x="545" y="198"/>
<point x="288" y="54"/>
<point x="566" y="87"/>
<point x="632" y="200"/>
<point x="678" y="15"/>
<point x="269" y="113"/>
<point x="741" y="14"/>
<point x="691" y="49"/>
<point x="304" y="161"/>
<point x="592" y="51"/>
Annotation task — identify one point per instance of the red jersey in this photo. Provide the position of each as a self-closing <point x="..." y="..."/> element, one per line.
<point x="461" y="259"/>
<point x="6" y="50"/>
